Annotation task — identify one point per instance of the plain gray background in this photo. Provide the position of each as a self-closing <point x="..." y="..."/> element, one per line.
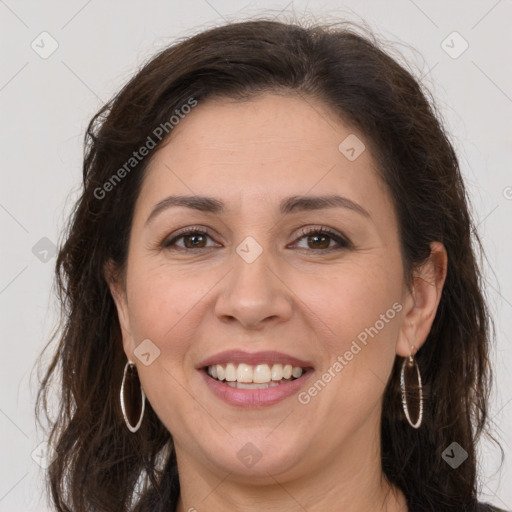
<point x="47" y="100"/>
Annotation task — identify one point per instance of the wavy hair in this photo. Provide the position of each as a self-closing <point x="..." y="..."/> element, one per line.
<point x="100" y="465"/>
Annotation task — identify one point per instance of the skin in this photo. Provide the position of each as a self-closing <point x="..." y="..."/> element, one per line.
<point x="294" y="298"/>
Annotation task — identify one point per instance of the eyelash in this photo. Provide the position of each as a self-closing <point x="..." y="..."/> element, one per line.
<point x="340" y="240"/>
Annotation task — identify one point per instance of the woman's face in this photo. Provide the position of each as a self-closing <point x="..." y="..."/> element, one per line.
<point x="254" y="281"/>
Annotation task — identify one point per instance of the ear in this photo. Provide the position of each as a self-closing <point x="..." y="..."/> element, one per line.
<point x="117" y="288"/>
<point x="422" y="301"/>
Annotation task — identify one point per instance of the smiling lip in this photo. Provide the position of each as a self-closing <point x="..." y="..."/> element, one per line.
<point x="253" y="358"/>
<point x="253" y="398"/>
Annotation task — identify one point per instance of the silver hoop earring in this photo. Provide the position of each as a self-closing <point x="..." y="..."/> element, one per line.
<point x="132" y="397"/>
<point x="410" y="361"/>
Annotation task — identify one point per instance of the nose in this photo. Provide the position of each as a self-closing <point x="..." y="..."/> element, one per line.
<point x="254" y="294"/>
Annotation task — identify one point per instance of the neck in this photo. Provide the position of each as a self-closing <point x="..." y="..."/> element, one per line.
<point x="290" y="497"/>
<point x="350" y="479"/>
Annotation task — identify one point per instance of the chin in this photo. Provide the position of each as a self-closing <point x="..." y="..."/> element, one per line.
<point x="256" y="457"/>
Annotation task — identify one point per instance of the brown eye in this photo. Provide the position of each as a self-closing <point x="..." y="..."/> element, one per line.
<point x="195" y="240"/>
<point x="320" y="239"/>
<point x="192" y="239"/>
<point x="317" y="239"/>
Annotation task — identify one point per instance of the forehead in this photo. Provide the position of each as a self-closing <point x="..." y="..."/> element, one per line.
<point x="267" y="147"/>
<point x="267" y="126"/>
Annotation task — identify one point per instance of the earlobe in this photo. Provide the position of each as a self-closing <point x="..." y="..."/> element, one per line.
<point x="423" y="301"/>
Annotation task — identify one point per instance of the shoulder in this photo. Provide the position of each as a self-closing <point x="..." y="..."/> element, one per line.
<point x="485" y="507"/>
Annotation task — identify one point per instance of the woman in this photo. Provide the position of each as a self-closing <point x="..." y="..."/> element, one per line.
<point x="271" y="298"/>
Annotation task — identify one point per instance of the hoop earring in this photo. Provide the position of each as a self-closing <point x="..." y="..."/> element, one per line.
<point x="410" y="361"/>
<point x="130" y="398"/>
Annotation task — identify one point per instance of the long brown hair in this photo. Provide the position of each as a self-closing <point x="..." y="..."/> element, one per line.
<point x="102" y="466"/>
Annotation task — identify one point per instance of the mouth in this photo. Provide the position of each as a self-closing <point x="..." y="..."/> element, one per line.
<point x="261" y="376"/>
<point x="244" y="385"/>
<point x="254" y="379"/>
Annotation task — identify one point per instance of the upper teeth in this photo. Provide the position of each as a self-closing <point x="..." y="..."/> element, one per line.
<point x="260" y="373"/>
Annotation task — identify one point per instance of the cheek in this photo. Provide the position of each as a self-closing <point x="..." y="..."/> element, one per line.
<point x="170" y="306"/>
<point x="166" y="307"/>
<point x="162" y="300"/>
<point x="359" y="311"/>
<point x="353" y="298"/>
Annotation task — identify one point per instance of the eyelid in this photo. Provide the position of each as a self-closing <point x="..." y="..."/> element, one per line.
<point x="189" y="230"/>
<point x="339" y="238"/>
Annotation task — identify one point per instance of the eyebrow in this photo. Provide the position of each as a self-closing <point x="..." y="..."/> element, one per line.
<point x="288" y="205"/>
